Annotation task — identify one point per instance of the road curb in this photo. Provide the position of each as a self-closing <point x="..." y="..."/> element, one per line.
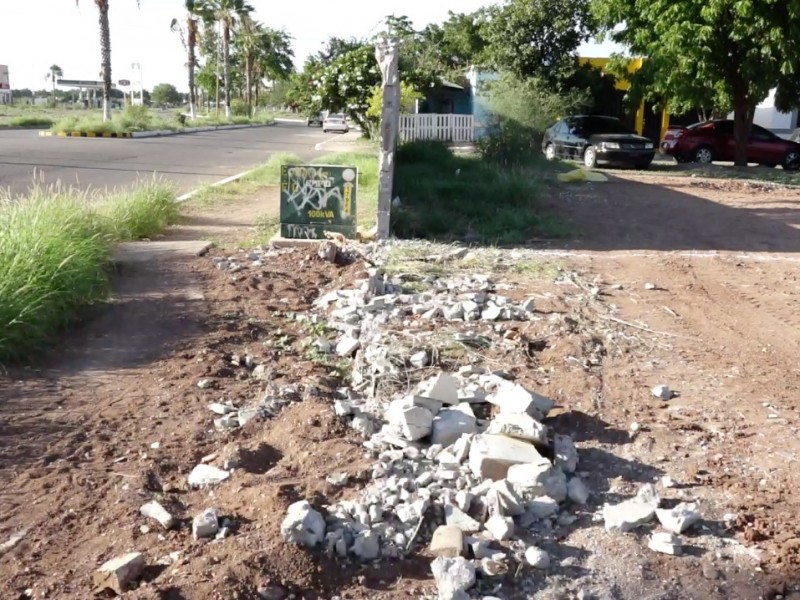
<point x="148" y="134"/>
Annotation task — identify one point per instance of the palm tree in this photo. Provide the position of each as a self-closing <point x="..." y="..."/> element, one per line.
<point x="194" y="12"/>
<point x="228" y="13"/>
<point x="52" y="74"/>
<point x="105" y="54"/>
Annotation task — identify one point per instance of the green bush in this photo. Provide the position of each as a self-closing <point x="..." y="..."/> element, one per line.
<point x="466" y="198"/>
<point x="54" y="246"/>
<point x="31" y="122"/>
<point x="239" y="108"/>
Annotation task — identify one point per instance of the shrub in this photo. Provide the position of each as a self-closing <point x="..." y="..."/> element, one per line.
<point x="239" y="108"/>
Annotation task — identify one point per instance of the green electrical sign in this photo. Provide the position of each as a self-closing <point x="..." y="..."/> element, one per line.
<point x="316" y="199"/>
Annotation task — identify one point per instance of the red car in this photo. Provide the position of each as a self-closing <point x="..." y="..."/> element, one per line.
<point x="713" y="140"/>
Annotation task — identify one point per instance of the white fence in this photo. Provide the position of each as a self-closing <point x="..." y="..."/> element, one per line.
<point x="445" y="128"/>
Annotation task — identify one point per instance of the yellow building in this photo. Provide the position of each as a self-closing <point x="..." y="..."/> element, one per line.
<point x="624" y="85"/>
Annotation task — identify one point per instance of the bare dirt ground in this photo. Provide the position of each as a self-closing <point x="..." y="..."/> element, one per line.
<point x="113" y="417"/>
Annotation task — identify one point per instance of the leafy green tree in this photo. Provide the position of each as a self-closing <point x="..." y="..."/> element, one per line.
<point x="265" y="52"/>
<point x="195" y="10"/>
<point x="105" y="54"/>
<point x="537" y="38"/>
<point x="166" y="93"/>
<point x="722" y="53"/>
<point x="346" y="84"/>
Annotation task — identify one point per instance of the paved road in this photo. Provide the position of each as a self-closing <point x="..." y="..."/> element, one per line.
<point x="188" y="160"/>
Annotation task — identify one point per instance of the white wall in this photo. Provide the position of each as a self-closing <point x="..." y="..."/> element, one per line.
<point x="771" y="118"/>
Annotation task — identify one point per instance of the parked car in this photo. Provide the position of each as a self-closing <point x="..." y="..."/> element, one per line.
<point x="597" y="139"/>
<point x="335" y="122"/>
<point x="314" y="120"/>
<point x="710" y="141"/>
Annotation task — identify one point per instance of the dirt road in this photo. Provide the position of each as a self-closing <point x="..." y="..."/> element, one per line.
<point x="114" y="416"/>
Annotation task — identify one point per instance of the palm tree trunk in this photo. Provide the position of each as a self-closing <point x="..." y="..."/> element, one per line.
<point x="248" y="84"/>
<point x="105" y="53"/>
<point x="226" y="50"/>
<point x="192" y="42"/>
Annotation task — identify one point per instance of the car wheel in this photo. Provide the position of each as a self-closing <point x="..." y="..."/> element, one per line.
<point x="642" y="165"/>
<point x="590" y="157"/>
<point x="703" y="155"/>
<point x="792" y="161"/>
<point x="550" y="152"/>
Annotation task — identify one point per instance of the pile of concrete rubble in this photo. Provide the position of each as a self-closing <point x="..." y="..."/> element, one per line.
<point x="464" y="459"/>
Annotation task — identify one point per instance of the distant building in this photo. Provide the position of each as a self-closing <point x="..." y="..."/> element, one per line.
<point x="5" y="85"/>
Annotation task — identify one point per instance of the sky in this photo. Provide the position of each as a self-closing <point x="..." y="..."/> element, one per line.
<point x="40" y="33"/>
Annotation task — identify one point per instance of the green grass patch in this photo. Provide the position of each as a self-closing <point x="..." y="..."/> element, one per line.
<point x="54" y="247"/>
<point x="448" y="198"/>
<point x="28" y="121"/>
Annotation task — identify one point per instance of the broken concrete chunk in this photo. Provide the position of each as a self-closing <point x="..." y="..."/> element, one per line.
<point x="443" y="387"/>
<point x="412" y="423"/>
<point x="206" y="524"/>
<point x="494" y="568"/>
<point x="303" y="525"/>
<point x="154" y="510"/>
<point x="678" y="519"/>
<point x="454" y="312"/>
<point x="566" y="455"/>
<point x="461" y="447"/>
<point x="541" y="508"/>
<point x="503" y="500"/>
<point x="119" y="573"/>
<point x="420" y="359"/>
<point x="515" y="399"/>
<point x="539" y="479"/>
<point x="632" y="513"/>
<point x="447" y="541"/>
<point x="537" y="558"/>
<point x="367" y="545"/>
<point x="453" y="576"/>
<point x="520" y="426"/>
<point x="662" y="391"/>
<point x="501" y="528"/>
<point x="492" y="312"/>
<point x="221" y="409"/>
<point x="490" y="456"/>
<point x="577" y="491"/>
<point x="455" y="517"/>
<point x="205" y="384"/>
<point x="665" y="543"/>
<point x="347" y="346"/>
<point x="451" y="423"/>
<point x="206" y="475"/>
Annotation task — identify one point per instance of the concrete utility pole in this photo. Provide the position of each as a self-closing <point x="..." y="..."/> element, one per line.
<point x="387" y="51"/>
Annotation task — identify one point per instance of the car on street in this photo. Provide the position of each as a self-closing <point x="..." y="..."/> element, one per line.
<point x="597" y="139"/>
<point x="710" y="141"/>
<point x="314" y="120"/>
<point x="335" y="122"/>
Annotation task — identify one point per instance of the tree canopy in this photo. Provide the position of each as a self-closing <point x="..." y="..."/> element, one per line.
<point x="166" y="93"/>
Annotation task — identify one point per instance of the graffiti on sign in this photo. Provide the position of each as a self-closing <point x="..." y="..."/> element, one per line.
<point x="318" y="198"/>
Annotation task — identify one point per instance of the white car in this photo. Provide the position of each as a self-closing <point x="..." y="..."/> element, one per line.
<point x="335" y="122"/>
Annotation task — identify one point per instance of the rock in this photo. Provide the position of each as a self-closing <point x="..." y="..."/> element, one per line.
<point x="443" y="387"/>
<point x="665" y="543"/>
<point x="492" y="312"/>
<point x="262" y="373"/>
<point x="272" y="592"/>
<point x="539" y="508"/>
<point x="206" y="524"/>
<point x="678" y="519"/>
<point x="540" y="479"/>
<point x="537" y="558"/>
<point x="420" y="359"/>
<point x="577" y="491"/>
<point x="520" y="426"/>
<point x="363" y="425"/>
<point x="206" y="475"/>
<point x="453" y="576"/>
<point x="347" y="346"/>
<point x="667" y="481"/>
<point x="490" y="456"/>
<point x="515" y="399"/>
<point x="566" y="455"/>
<point x="338" y="479"/>
<point x="463" y="500"/>
<point x="227" y="422"/>
<point x="205" y="384"/>
<point x="503" y="500"/>
<point x="461" y="448"/>
<point x="303" y="525"/>
<point x="322" y="346"/>
<point x="221" y="409"/>
<point x="328" y="250"/>
<point x="529" y="305"/>
<point x="119" y="573"/>
<point x="454" y="312"/>
<point x="480" y="548"/>
<point x="413" y="423"/>
<point x="154" y="510"/>
<point x="472" y="310"/>
<point x="447" y="541"/>
<point x="493" y="568"/>
<point x="501" y="528"/>
<point x="451" y="423"/>
<point x="632" y="513"/>
<point x="343" y="408"/>
<point x="649" y="286"/>
<point x="432" y="313"/>
<point x="662" y="391"/>
<point x="367" y="545"/>
<point x="455" y="517"/>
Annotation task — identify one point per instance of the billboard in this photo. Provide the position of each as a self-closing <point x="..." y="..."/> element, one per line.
<point x="316" y="199"/>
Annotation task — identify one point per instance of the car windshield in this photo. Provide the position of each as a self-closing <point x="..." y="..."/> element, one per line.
<point x="335" y="118"/>
<point x="594" y="125"/>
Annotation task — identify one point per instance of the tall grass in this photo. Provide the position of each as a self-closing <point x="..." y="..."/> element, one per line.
<point x="449" y="198"/>
<point x="54" y="246"/>
<point x="30" y="121"/>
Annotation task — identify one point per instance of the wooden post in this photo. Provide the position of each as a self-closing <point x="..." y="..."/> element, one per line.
<point x="387" y="51"/>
